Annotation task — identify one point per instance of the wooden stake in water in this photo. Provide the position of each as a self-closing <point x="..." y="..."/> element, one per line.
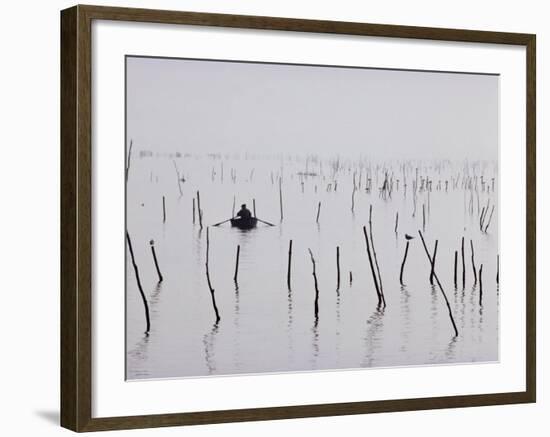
<point x="288" y="273"/>
<point x="337" y="267"/>
<point x="481" y="219"/>
<point x="473" y="262"/>
<point x="432" y="270"/>
<point x="489" y="221"/>
<point x="152" y="243"/>
<point x="178" y="177"/>
<point x="318" y="212"/>
<point x="480" y="285"/>
<point x="396" y="221"/>
<point x="281" y="196"/>
<point x="163" y="210"/>
<point x="439" y="285"/>
<point x="376" y="258"/>
<point x="212" y="291"/>
<point x="372" y="269"/>
<point x="199" y="208"/>
<point x="463" y="266"/>
<point x="403" y="263"/>
<point x="498" y="267"/>
<point x="314" y="273"/>
<point x="254" y="207"/>
<point x="235" y="276"/>
<point x="456" y="259"/>
<point x="140" y="288"/>
<point x="129" y="159"/>
<point x="424" y="217"/>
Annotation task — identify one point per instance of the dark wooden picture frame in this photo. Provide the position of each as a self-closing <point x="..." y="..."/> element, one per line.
<point x="76" y="217"/>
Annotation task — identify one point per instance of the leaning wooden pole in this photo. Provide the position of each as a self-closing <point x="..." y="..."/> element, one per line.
<point x="212" y="291"/>
<point x="318" y="212"/>
<point x="235" y="276"/>
<point x="376" y="258"/>
<point x="432" y="270"/>
<point x="129" y="159"/>
<point x="403" y="263"/>
<point x="373" y="272"/>
<point x="440" y="286"/>
<point x="140" y="288"/>
<point x="152" y="243"/>
<point x="489" y="221"/>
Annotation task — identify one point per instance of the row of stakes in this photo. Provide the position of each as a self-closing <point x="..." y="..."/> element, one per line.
<point x="373" y="264"/>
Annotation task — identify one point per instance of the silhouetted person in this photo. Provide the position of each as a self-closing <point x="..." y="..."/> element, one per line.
<point x="244" y="213"/>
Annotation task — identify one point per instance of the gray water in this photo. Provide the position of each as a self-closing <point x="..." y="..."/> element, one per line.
<point x="264" y="326"/>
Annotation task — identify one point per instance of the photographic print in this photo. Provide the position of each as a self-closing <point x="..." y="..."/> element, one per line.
<point x="288" y="217"/>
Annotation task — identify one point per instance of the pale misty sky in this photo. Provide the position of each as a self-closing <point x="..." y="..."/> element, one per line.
<point x="205" y="106"/>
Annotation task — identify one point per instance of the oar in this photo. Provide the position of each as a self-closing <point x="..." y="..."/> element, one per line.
<point x="263" y="221"/>
<point x="221" y="223"/>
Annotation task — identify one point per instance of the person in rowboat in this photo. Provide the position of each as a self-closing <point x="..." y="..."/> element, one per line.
<point x="244" y="213"/>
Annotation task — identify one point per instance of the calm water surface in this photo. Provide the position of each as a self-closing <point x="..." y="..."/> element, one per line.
<point x="266" y="327"/>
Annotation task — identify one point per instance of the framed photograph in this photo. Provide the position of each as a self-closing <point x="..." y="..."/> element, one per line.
<point x="268" y="218"/>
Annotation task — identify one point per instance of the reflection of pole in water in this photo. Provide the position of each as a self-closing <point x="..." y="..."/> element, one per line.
<point x="209" y="343"/>
<point x="372" y="337"/>
<point x="405" y="317"/>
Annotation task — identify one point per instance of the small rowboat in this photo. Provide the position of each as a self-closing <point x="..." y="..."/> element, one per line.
<point x="248" y="223"/>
